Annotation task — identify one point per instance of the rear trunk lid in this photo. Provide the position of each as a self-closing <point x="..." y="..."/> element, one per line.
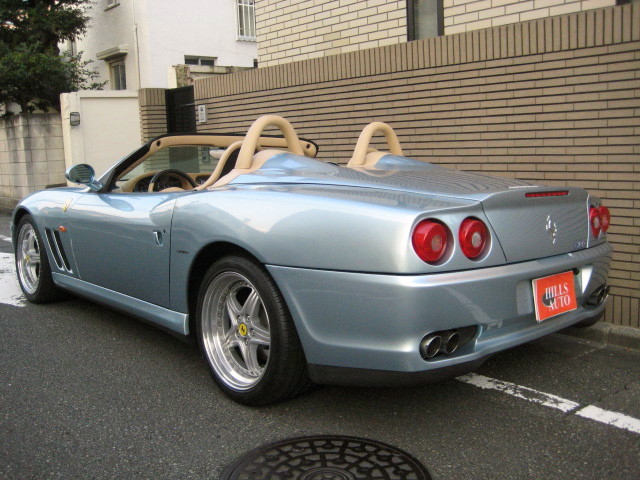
<point x="531" y="227"/>
<point x="527" y="227"/>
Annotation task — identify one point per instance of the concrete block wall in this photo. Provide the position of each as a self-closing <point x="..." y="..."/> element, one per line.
<point x="467" y="15"/>
<point x="31" y="155"/>
<point x="289" y="30"/>
<point x="555" y="101"/>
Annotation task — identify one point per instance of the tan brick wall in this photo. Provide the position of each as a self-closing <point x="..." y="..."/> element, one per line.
<point x="153" y="113"/>
<point x="467" y="15"/>
<point x="553" y="100"/>
<point x="291" y="30"/>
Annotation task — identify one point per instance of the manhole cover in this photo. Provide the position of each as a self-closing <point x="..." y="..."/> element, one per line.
<point x="326" y="457"/>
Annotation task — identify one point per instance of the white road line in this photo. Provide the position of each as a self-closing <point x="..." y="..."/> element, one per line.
<point x="6" y="239"/>
<point x="518" y="391"/>
<point x="616" y="419"/>
<point x="10" y="292"/>
<point x="591" y="412"/>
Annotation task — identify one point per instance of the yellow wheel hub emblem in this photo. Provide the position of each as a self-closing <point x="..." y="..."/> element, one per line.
<point x="242" y="329"/>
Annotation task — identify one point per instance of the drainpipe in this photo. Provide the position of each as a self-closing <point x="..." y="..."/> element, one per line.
<point x="135" y="41"/>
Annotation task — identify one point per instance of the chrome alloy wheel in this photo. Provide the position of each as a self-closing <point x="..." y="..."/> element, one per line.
<point x="28" y="258"/>
<point x="235" y="329"/>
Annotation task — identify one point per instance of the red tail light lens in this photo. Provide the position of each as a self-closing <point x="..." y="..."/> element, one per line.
<point x="429" y="240"/>
<point x="595" y="220"/>
<point x="473" y="237"/>
<point x="605" y="218"/>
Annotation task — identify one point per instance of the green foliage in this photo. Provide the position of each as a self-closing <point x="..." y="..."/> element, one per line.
<point x="33" y="74"/>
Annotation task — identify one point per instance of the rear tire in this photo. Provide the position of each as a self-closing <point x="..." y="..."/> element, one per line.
<point x="32" y="264"/>
<point x="247" y="336"/>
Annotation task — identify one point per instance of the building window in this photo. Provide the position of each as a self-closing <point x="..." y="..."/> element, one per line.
<point x="425" y="19"/>
<point x="71" y="47"/>
<point x="246" y="20"/>
<point x="111" y="4"/>
<point x="118" y="76"/>
<point x="195" y="60"/>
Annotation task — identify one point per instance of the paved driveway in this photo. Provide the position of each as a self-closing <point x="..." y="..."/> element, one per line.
<point x="88" y="393"/>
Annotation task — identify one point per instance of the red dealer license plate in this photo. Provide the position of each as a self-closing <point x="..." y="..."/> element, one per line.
<point x="554" y="295"/>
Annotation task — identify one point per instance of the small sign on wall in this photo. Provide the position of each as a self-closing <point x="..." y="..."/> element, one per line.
<point x="202" y="113"/>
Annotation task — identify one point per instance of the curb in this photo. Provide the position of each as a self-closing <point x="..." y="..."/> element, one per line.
<point x="607" y="334"/>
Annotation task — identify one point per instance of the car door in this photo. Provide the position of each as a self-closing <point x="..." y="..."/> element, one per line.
<point x="122" y="242"/>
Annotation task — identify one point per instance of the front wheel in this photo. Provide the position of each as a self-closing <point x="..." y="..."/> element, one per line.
<point x="32" y="264"/>
<point x="246" y="334"/>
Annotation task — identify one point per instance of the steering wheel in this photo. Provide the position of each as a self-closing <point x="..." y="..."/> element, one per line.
<point x="171" y="171"/>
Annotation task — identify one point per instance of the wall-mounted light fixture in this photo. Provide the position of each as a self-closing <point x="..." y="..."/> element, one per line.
<point x="74" y="119"/>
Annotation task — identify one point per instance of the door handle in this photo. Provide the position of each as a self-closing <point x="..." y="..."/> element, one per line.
<point x="158" y="237"/>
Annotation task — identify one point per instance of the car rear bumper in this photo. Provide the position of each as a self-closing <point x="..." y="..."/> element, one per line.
<point x="369" y="326"/>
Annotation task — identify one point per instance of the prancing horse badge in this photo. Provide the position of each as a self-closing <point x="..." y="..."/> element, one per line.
<point x="552" y="229"/>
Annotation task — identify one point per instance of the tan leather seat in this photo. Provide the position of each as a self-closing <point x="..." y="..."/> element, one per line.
<point x="215" y="175"/>
<point x="249" y="161"/>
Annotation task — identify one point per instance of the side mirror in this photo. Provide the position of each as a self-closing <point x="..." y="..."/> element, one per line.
<point x="83" y="174"/>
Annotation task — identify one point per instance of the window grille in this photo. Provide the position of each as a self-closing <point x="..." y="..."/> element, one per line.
<point x="118" y="76"/>
<point x="247" y="20"/>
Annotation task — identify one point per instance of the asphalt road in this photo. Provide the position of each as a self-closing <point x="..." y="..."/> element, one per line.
<point x="89" y="393"/>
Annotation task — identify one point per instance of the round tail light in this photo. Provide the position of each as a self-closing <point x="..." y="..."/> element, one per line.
<point x="429" y="240"/>
<point x="473" y="237"/>
<point x="595" y="220"/>
<point x="605" y="218"/>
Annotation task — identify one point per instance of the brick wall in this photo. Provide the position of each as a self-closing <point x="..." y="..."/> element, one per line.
<point x="467" y="15"/>
<point x="294" y="30"/>
<point x="290" y="30"/>
<point x="31" y="155"/>
<point x="153" y="113"/>
<point x="555" y="101"/>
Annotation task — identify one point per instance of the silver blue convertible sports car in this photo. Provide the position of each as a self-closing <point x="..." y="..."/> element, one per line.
<point x="289" y="270"/>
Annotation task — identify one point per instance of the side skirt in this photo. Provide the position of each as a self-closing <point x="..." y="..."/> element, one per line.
<point x="164" y="318"/>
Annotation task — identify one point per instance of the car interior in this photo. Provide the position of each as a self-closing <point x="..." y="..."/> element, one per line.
<point x="177" y="163"/>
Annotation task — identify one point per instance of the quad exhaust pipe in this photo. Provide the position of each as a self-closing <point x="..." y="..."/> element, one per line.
<point x="446" y="342"/>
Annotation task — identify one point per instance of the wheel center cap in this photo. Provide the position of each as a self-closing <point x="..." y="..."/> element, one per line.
<point x="242" y="329"/>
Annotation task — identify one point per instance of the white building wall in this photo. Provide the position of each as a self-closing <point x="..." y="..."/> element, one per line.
<point x="107" y="29"/>
<point x="166" y="31"/>
<point x="210" y="31"/>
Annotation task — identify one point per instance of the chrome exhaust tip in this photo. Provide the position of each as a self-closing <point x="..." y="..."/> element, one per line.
<point x="451" y="343"/>
<point x="604" y="293"/>
<point x="599" y="296"/>
<point x="430" y="346"/>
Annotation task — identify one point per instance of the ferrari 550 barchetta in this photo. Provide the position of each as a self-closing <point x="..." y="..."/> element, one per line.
<point x="289" y="270"/>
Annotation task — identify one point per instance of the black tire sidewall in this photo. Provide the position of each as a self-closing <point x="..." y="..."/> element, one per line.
<point x="263" y="391"/>
<point x="45" y="291"/>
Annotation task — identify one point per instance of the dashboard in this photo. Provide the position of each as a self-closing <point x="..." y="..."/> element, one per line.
<point x="141" y="183"/>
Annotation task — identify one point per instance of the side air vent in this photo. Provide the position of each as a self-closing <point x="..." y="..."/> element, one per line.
<point x="59" y="254"/>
